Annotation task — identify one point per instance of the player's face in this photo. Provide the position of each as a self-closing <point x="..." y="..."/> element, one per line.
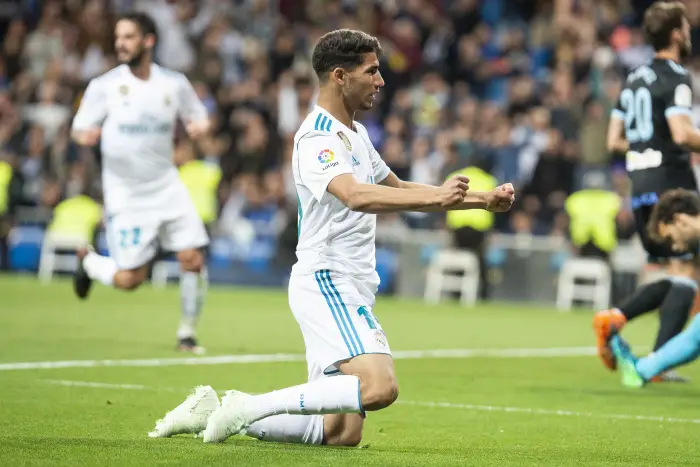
<point x="685" y="47"/>
<point x="131" y="46"/>
<point x="673" y="236"/>
<point x="364" y="83"/>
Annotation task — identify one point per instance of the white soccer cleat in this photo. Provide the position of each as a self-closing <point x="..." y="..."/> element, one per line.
<point x="229" y="419"/>
<point x="189" y="417"/>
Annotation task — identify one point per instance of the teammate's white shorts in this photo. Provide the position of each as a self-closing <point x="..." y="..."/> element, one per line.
<point x="134" y="237"/>
<point x="335" y="316"/>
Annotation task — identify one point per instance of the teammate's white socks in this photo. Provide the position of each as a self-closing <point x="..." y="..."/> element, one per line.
<point x="100" y="268"/>
<point x="193" y="290"/>
<point x="304" y="429"/>
<point x="339" y="394"/>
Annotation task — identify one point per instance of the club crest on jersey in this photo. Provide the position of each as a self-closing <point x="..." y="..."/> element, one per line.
<point x="167" y="101"/>
<point x="326" y="156"/>
<point x="124" y="89"/>
<point x="380" y="338"/>
<point x="345" y="140"/>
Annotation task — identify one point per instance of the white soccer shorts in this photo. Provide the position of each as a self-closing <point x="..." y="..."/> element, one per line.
<point x="336" y="319"/>
<point x="134" y="238"/>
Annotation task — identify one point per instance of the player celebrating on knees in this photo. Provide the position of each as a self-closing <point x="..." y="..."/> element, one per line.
<point x="652" y="125"/>
<point x="132" y="110"/>
<point x="675" y="220"/>
<point x="341" y="183"/>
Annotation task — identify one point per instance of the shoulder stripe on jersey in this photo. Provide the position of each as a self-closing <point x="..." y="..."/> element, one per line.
<point x="322" y="123"/>
<point x="300" y="215"/>
<point x="677" y="68"/>
<point x="325" y="291"/>
<point x="671" y="111"/>
<point x="299" y="155"/>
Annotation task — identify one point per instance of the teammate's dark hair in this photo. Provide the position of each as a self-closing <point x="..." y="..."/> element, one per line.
<point x="144" y="22"/>
<point x="659" y="20"/>
<point x="342" y="48"/>
<point x="672" y="202"/>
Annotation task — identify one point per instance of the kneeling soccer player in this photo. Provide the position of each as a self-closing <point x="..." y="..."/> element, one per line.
<point x="342" y="183"/>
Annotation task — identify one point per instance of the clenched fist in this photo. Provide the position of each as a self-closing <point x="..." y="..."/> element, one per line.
<point x="501" y="198"/>
<point x="453" y="191"/>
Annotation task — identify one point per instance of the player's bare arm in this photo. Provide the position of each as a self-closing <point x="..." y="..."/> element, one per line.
<point x="616" y="141"/>
<point x="192" y="111"/>
<point x="377" y="199"/>
<point x="684" y="132"/>
<point x="498" y="200"/>
<point x="86" y="137"/>
<point x="198" y="129"/>
<point x="86" y="128"/>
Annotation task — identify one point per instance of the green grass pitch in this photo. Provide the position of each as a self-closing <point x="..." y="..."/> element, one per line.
<point x="558" y="407"/>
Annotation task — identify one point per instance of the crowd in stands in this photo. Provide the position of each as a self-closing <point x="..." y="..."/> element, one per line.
<point x="519" y="88"/>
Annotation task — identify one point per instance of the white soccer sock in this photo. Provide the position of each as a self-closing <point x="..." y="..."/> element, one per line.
<point x="300" y="429"/>
<point x="100" y="268"/>
<point x="193" y="289"/>
<point x="338" y="394"/>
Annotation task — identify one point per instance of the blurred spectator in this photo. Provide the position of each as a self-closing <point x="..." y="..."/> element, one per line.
<point x="202" y="180"/>
<point x="592" y="217"/>
<point x="76" y="217"/>
<point x="470" y="228"/>
<point x="10" y="193"/>
<point x="522" y="87"/>
<point x="593" y="125"/>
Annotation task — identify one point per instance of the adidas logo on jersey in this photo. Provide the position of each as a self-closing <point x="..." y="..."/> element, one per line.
<point x="355" y="162"/>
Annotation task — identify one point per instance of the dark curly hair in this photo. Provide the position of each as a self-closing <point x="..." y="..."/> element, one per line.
<point x="672" y="202"/>
<point x="342" y="48"/>
<point x="659" y="20"/>
<point x="145" y="23"/>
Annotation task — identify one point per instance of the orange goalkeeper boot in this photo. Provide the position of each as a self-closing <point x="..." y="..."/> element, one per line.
<point x="604" y="322"/>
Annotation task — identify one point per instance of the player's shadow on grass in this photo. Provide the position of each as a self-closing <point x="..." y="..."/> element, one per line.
<point x="63" y="443"/>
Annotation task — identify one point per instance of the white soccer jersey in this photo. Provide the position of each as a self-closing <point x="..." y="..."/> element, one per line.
<point x="138" y="123"/>
<point x="331" y="236"/>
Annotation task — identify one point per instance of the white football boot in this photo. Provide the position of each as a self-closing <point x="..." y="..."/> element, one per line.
<point x="189" y="417"/>
<point x="229" y="419"/>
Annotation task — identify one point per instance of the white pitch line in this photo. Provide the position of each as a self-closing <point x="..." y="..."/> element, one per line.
<point x="561" y="413"/>
<point x="94" y="384"/>
<point x="550" y="352"/>
<point x="442" y="405"/>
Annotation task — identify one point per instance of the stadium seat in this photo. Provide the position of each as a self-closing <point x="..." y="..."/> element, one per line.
<point x="387" y="262"/>
<point x="58" y="254"/>
<point x="221" y="252"/>
<point x="101" y="243"/>
<point x="25" y="247"/>
<point x="584" y="269"/>
<point x="453" y="271"/>
<point x="496" y="257"/>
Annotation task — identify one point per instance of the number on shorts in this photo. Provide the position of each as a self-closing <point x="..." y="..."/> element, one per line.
<point x="130" y="236"/>
<point x="369" y="316"/>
